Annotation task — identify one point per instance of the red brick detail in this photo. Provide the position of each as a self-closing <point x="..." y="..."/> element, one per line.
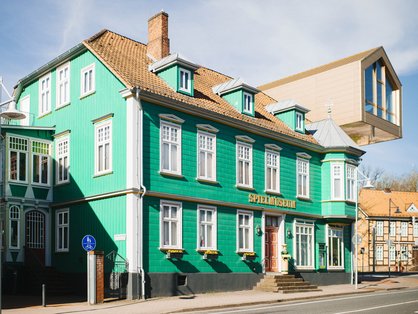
<point x="158" y="41"/>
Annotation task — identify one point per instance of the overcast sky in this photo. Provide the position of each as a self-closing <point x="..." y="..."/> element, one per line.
<point x="257" y="40"/>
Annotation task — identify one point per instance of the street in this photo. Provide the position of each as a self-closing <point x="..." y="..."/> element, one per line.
<point x="404" y="301"/>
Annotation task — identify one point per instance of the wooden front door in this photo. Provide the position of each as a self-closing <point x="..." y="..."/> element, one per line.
<point x="272" y="244"/>
<point x="35" y="238"/>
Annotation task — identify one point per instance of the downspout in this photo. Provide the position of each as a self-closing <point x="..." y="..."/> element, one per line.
<point x="140" y="237"/>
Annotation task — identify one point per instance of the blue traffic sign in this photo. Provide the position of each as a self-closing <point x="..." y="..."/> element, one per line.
<point x="88" y="243"/>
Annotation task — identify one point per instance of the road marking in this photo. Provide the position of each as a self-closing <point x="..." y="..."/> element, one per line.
<point x="331" y="299"/>
<point x="378" y="307"/>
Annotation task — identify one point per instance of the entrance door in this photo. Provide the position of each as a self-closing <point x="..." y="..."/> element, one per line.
<point x="35" y="238"/>
<point x="272" y="244"/>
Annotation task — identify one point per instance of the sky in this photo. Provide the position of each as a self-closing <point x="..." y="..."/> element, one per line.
<point x="257" y="40"/>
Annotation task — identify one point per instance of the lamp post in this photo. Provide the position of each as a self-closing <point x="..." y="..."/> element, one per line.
<point x="397" y="211"/>
<point x="10" y="113"/>
<point x="368" y="185"/>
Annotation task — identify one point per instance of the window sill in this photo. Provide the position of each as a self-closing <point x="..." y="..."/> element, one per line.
<point x="66" y="251"/>
<point x="87" y="94"/>
<point x="61" y="183"/>
<point x="209" y="181"/>
<point x="171" y="174"/>
<point x="273" y="193"/>
<point x="62" y="106"/>
<point x="44" y="114"/>
<point x="18" y="182"/>
<point x="307" y="268"/>
<point x="351" y="202"/>
<point x="243" y="187"/>
<point x="200" y="250"/>
<point x="165" y="249"/>
<point x="102" y="174"/>
<point x="303" y="198"/>
<point x="39" y="185"/>
<point x="336" y="269"/>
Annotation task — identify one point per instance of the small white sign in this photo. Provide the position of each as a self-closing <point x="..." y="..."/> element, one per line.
<point x="119" y="237"/>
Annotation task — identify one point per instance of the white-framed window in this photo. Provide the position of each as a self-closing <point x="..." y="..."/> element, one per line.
<point x="185" y="80"/>
<point x="170" y="225"/>
<point x="416" y="229"/>
<point x="404" y="253"/>
<point x="248" y="103"/>
<point x="272" y="171"/>
<point x="206" y="155"/>
<point x="392" y="228"/>
<point x="62" y="148"/>
<point x="335" y="247"/>
<point x="103" y="147"/>
<point x="62" y="227"/>
<point x="302" y="177"/>
<point x="18" y="159"/>
<point x="379" y="228"/>
<point x="351" y="182"/>
<point x="337" y="181"/>
<point x="404" y="228"/>
<point x="88" y="80"/>
<point x="244" y="164"/>
<point x="14" y="227"/>
<point x="63" y="85"/>
<point x="392" y="253"/>
<point x="45" y="94"/>
<point x="379" y="253"/>
<point x="299" y="121"/>
<point x="41" y="162"/>
<point x="206" y="225"/>
<point x="170" y="147"/>
<point x="245" y="231"/>
<point x="304" y="243"/>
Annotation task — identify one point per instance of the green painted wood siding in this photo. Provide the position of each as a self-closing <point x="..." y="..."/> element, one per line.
<point x="192" y="262"/>
<point x="226" y="189"/>
<point x="77" y="117"/>
<point x="235" y="99"/>
<point x="288" y="117"/>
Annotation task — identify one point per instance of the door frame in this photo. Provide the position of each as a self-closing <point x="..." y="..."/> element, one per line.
<point x="47" y="226"/>
<point x="280" y="237"/>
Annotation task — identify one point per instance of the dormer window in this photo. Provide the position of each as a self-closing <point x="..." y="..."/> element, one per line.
<point x="248" y="103"/>
<point x="184" y="83"/>
<point x="291" y="113"/>
<point x="299" y="121"/>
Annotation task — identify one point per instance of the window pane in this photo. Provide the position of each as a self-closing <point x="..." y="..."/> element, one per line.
<point x="107" y="157"/>
<point x="13" y="165"/>
<point x="14" y="233"/>
<point x="22" y="167"/>
<point x="165" y="156"/>
<point x="166" y="233"/>
<point x="174" y="157"/>
<point x="209" y="165"/>
<point x="209" y="236"/>
<point x="173" y="233"/>
<point x="202" y="164"/>
<point x="44" y="170"/>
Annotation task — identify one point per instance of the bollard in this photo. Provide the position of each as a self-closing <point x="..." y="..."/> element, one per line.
<point x="43" y="295"/>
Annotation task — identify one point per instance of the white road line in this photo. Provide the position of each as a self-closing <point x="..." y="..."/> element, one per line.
<point x="335" y="298"/>
<point x="378" y="307"/>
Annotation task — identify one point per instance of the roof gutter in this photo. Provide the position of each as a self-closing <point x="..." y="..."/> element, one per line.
<point x="46" y="67"/>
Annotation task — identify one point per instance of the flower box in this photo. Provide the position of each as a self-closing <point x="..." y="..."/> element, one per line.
<point x="210" y="255"/>
<point x="248" y="256"/>
<point x="174" y="253"/>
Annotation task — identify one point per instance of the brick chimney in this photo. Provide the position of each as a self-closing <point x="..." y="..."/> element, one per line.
<point x="158" y="42"/>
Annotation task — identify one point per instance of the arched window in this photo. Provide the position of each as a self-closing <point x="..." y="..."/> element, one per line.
<point x="14" y="227"/>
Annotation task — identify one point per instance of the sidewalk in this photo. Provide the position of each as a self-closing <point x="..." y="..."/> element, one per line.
<point x="209" y="300"/>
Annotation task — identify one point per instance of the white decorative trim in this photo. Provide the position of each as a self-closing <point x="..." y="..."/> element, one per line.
<point x="303" y="155"/>
<point x="244" y="138"/>
<point x="273" y="147"/>
<point x="207" y="128"/>
<point x="171" y="118"/>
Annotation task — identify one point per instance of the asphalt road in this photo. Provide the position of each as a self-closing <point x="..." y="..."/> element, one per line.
<point x="390" y="302"/>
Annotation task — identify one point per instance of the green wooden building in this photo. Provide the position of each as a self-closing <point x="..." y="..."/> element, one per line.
<point x="189" y="180"/>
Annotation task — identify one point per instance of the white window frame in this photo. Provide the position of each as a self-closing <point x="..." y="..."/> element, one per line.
<point x="335" y="186"/>
<point x="206" y="151"/>
<point x="59" y="228"/>
<point x="416" y="229"/>
<point x="330" y="228"/>
<point x="248" y="104"/>
<point x="183" y="81"/>
<point x="62" y="151"/>
<point x="301" y="174"/>
<point x="392" y="253"/>
<point x="87" y="90"/>
<point x="63" y="85"/>
<point x="269" y="168"/>
<point x="48" y="167"/>
<point x="13" y="218"/>
<point x="379" y="253"/>
<point x="205" y="224"/>
<point x="243" y="227"/>
<point x="299" y="121"/>
<point x="102" y="143"/>
<point x="351" y="182"/>
<point x="177" y="220"/>
<point x="392" y="229"/>
<point x="244" y="161"/>
<point x="404" y="228"/>
<point x="379" y="228"/>
<point x="44" y="95"/>
<point x="311" y="255"/>
<point x="18" y="152"/>
<point x="403" y="256"/>
<point x="170" y="144"/>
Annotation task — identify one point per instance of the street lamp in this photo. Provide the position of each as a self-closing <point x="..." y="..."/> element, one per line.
<point x="368" y="185"/>
<point x="397" y="211"/>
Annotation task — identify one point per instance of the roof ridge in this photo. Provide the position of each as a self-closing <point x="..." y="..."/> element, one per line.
<point x="105" y="30"/>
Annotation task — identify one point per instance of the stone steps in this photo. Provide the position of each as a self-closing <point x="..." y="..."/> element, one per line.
<point x="284" y="284"/>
